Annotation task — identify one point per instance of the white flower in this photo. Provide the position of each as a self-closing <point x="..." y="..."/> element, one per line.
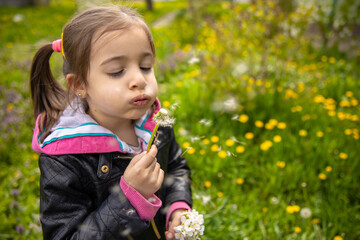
<point x="193" y="60"/>
<point x="191" y="227"/>
<point x="305" y="212"/>
<point x="162" y="118"/>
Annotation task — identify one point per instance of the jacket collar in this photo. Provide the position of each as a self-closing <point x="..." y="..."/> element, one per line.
<point x="76" y="133"/>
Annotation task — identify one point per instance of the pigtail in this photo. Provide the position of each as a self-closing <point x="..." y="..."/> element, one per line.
<point x="47" y="94"/>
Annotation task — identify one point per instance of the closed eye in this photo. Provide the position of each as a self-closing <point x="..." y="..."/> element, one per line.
<point x="116" y="74"/>
<point x="145" y="69"/>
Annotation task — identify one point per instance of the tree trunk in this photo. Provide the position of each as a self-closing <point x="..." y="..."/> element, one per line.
<point x="149" y="5"/>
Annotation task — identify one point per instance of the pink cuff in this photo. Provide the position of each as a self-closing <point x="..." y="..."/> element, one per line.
<point x="143" y="207"/>
<point x="175" y="206"/>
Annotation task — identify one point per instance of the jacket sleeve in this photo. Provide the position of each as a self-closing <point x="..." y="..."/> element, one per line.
<point x="178" y="179"/>
<point x="68" y="212"/>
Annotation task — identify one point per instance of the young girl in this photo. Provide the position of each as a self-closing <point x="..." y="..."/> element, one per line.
<point x="96" y="180"/>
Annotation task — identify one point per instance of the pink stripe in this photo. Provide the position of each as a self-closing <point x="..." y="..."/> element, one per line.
<point x="175" y="206"/>
<point x="144" y="208"/>
<point x="150" y="124"/>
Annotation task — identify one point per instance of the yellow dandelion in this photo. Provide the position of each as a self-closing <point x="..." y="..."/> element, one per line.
<point x="229" y="142"/>
<point x="281" y="125"/>
<point x="319" y="99"/>
<point x="31" y="179"/>
<point x="240" y="149"/>
<point x="166" y="104"/>
<point x="332" y="113"/>
<point x="277" y="138"/>
<point x="273" y="122"/>
<point x="240" y="181"/>
<point x="249" y="135"/>
<point x="341" y="115"/>
<point x="206" y="141"/>
<point x="319" y="134"/>
<point x="34" y="156"/>
<point x="332" y="60"/>
<point x="338" y="238"/>
<point x="243" y="118"/>
<point x="186" y="144"/>
<point x="266" y="145"/>
<point x="348" y="131"/>
<point x="297" y="229"/>
<point x="220" y="194"/>
<point x="281" y="164"/>
<point x="222" y="154"/>
<point x="324" y="58"/>
<point x="354" y="102"/>
<point x="315" y="221"/>
<point x="328" y="169"/>
<point x="322" y="176"/>
<point x="207" y="184"/>
<point x="214" y="139"/>
<point x="269" y="126"/>
<point x="296" y="208"/>
<point x="290" y="209"/>
<point x="343" y="155"/>
<point x="259" y="124"/>
<point x="202" y="152"/>
<point x="264" y="210"/>
<point x="191" y="150"/>
<point x="303" y="133"/>
<point x="10" y="107"/>
<point x="214" y="147"/>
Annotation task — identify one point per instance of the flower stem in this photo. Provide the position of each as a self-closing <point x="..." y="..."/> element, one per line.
<point x="155" y="228"/>
<point x="152" y="138"/>
<point x="147" y="150"/>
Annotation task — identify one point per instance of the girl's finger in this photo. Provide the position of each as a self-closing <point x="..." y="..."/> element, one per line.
<point x="148" y="158"/>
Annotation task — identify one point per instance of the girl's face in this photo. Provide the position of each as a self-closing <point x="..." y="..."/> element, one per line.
<point x="121" y="81"/>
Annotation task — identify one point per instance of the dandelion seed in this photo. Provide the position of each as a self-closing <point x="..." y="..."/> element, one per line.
<point x="194" y="139"/>
<point x="193" y="60"/>
<point x="305" y="213"/>
<point x="162" y="118"/>
<point x="191" y="227"/>
<point x="231" y="105"/>
<point x="205" y="122"/>
<point x="275" y="200"/>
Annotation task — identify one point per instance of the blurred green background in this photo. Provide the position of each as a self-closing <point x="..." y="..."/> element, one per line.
<point x="266" y="100"/>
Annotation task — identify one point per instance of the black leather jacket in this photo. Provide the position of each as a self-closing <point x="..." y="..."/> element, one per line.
<point x="81" y="197"/>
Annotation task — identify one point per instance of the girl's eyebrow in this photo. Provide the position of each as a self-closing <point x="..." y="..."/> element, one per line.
<point x="123" y="57"/>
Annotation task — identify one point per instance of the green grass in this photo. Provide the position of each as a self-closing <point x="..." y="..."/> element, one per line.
<point x="246" y="185"/>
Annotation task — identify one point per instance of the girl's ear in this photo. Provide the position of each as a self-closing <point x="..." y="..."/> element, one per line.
<point x="76" y="85"/>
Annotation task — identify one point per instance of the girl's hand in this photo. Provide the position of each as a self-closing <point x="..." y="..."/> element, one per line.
<point x="174" y="222"/>
<point x="144" y="173"/>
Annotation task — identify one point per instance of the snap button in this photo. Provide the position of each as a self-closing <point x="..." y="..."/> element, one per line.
<point x="104" y="168"/>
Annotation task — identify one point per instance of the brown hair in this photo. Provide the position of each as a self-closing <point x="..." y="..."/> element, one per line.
<point x="49" y="97"/>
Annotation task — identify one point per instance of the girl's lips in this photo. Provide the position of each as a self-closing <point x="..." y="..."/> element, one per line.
<point x="140" y="100"/>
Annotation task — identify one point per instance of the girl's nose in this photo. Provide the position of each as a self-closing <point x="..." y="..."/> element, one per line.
<point x="137" y="80"/>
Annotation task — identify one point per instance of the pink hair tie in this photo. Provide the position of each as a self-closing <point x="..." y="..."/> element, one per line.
<point x="56" y="45"/>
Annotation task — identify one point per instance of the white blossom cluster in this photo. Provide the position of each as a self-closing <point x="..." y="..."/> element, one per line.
<point x="191" y="227"/>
